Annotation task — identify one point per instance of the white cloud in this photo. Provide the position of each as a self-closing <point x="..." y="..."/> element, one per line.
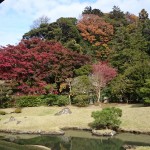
<point x="21" y="13"/>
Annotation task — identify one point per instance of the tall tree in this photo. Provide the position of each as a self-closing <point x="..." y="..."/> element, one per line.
<point x="89" y="10"/>
<point x="116" y="13"/>
<point x="95" y="29"/>
<point x="97" y="32"/>
<point x="132" y="61"/>
<point x="143" y="15"/>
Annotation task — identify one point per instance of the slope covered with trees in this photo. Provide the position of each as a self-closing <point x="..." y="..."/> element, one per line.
<point x="63" y="52"/>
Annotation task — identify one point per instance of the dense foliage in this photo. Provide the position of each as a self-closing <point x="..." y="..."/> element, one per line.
<point x="34" y="63"/>
<point x="107" y="118"/>
<point x="58" y="57"/>
<point x="42" y="100"/>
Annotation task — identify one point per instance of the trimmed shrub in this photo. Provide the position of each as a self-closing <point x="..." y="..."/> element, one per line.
<point x="81" y="100"/>
<point x="62" y="100"/>
<point x="18" y="110"/>
<point x="30" y="101"/>
<point x="51" y="99"/>
<point x="107" y="118"/>
<point x="2" y="112"/>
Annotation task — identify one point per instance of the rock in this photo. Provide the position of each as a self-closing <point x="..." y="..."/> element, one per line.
<point x="12" y="119"/>
<point x="64" y="111"/>
<point x="103" y="132"/>
<point x="106" y="101"/>
<point x="126" y="147"/>
<point x="18" y="122"/>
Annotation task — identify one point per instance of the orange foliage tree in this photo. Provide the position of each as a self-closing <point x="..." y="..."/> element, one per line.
<point x="95" y="29"/>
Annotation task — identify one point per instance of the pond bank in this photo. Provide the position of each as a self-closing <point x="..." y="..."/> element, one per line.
<point x="80" y="139"/>
<point x="62" y="131"/>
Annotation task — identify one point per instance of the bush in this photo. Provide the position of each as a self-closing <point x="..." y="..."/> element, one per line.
<point x="81" y="100"/>
<point x="62" y="100"/>
<point x="18" y="110"/>
<point x="34" y="101"/>
<point x="51" y="99"/>
<point x="30" y="101"/>
<point x="5" y="94"/>
<point x="2" y="112"/>
<point x="107" y="118"/>
<point x="147" y="101"/>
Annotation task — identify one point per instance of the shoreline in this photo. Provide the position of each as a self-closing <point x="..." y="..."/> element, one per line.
<point x="62" y="131"/>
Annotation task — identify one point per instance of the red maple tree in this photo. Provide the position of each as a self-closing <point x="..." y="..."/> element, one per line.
<point x="34" y="63"/>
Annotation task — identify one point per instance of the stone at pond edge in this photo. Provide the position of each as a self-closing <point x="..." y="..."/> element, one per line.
<point x="63" y="111"/>
<point x="104" y="132"/>
<point x="127" y="147"/>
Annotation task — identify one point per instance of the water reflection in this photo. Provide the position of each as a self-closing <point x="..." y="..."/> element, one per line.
<point x="74" y="140"/>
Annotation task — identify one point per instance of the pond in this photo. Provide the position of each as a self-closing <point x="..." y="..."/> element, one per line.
<point x="72" y="140"/>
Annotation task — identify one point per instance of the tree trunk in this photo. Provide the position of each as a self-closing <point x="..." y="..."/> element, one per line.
<point x="69" y="93"/>
<point x="99" y="96"/>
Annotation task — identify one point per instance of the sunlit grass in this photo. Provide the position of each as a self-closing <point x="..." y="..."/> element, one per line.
<point x="44" y="119"/>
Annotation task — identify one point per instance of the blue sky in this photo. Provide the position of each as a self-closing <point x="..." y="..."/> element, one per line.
<point x="16" y="16"/>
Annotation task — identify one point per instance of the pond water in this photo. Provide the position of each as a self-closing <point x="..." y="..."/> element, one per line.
<point x="72" y="140"/>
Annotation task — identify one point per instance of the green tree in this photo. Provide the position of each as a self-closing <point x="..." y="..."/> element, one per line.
<point x="143" y="15"/>
<point x="132" y="61"/>
<point x="107" y="118"/>
<point x="116" y="13"/>
<point x="84" y="70"/>
<point x="89" y="10"/>
<point x="145" y="92"/>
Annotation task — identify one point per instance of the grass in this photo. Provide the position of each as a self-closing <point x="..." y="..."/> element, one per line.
<point x="135" y="118"/>
<point x="142" y="148"/>
<point x="44" y="119"/>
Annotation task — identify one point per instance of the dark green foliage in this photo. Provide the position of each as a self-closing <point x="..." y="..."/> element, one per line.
<point x="117" y="18"/>
<point x="63" y="30"/>
<point x="132" y="61"/>
<point x="89" y="10"/>
<point x="107" y="118"/>
<point x="48" y="100"/>
<point x="5" y="94"/>
<point x="74" y="46"/>
<point x="69" y="30"/>
<point x="2" y="112"/>
<point x="81" y="100"/>
<point x="116" y="13"/>
<point x="30" y="101"/>
<point x="84" y="70"/>
<point x="62" y="100"/>
<point x="51" y="99"/>
<point x="143" y="15"/>
<point x="145" y="92"/>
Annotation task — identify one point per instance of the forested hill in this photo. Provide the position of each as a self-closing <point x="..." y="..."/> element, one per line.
<point x="118" y="38"/>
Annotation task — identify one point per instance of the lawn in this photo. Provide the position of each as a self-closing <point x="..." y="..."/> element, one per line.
<point x="43" y="118"/>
